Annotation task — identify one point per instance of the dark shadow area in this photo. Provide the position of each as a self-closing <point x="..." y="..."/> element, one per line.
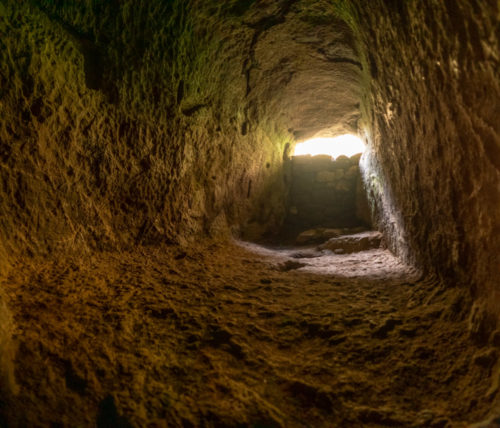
<point x="326" y="199"/>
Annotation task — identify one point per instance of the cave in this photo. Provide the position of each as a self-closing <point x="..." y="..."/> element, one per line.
<point x="151" y="270"/>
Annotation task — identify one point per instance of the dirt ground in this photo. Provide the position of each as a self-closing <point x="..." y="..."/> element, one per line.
<point x="228" y="335"/>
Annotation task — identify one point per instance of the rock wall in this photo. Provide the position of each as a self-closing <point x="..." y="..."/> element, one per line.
<point x="326" y="192"/>
<point x="116" y="128"/>
<point x="125" y="123"/>
<point x="7" y="352"/>
<point x="431" y="106"/>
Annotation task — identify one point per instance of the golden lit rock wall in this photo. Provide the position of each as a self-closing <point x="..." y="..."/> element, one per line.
<point x="115" y="129"/>
<point x="121" y="123"/>
<point x="126" y="122"/>
<point x="431" y="110"/>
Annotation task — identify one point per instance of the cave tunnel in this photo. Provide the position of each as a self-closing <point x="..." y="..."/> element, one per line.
<point x="147" y="278"/>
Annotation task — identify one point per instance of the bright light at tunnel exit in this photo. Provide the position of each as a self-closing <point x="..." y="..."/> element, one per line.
<point x="346" y="144"/>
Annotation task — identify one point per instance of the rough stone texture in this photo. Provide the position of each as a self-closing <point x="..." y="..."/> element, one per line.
<point x="7" y="352"/>
<point x="303" y="67"/>
<point x="126" y="123"/>
<point x="149" y="149"/>
<point x="431" y="117"/>
<point x="217" y="335"/>
<point x="353" y="243"/>
<point x="320" y="235"/>
<point x="324" y="192"/>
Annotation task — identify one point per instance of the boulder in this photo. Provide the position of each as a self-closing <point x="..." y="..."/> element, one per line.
<point x="317" y="236"/>
<point x="353" y="243"/>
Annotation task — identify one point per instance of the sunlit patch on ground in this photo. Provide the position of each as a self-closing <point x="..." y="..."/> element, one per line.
<point x="370" y="264"/>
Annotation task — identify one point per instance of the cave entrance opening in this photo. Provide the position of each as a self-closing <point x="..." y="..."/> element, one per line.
<point x="343" y="145"/>
<point x="327" y="196"/>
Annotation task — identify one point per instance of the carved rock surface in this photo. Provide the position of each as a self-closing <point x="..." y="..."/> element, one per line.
<point x="431" y="106"/>
<point x="127" y="125"/>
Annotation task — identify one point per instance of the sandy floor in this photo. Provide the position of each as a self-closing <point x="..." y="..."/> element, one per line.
<point x="370" y="265"/>
<point x="240" y="335"/>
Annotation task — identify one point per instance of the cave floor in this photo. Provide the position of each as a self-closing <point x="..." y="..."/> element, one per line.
<point x="220" y="334"/>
